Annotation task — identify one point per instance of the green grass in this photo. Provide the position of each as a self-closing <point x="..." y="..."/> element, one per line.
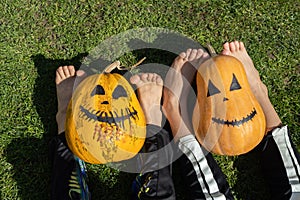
<point x="38" y="36"/>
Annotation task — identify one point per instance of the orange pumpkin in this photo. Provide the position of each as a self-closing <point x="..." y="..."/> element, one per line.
<point x="227" y="118"/>
<point x="105" y="122"/>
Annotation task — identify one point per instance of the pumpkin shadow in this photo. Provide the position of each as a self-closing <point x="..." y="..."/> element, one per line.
<point x="250" y="184"/>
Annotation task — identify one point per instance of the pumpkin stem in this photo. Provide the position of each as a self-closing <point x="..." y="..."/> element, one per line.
<point x="112" y="66"/>
<point x="117" y="64"/>
<point x="211" y="50"/>
<point x="137" y="64"/>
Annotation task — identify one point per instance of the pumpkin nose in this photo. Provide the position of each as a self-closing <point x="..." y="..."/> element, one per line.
<point x="225" y="99"/>
<point x="105" y="102"/>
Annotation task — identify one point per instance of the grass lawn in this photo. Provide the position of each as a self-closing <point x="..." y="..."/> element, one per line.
<point x="38" y="36"/>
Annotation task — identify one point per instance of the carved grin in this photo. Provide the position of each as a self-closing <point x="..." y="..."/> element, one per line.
<point x="235" y="122"/>
<point x="109" y="117"/>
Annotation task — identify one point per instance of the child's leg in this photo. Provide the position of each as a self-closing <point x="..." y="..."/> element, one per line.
<point x="280" y="163"/>
<point x="68" y="172"/>
<point x="204" y="178"/>
<point x="260" y="91"/>
<point x="155" y="180"/>
<point x="280" y="160"/>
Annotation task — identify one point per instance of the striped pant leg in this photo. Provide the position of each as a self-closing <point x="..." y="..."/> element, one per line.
<point x="203" y="175"/>
<point x="280" y="163"/>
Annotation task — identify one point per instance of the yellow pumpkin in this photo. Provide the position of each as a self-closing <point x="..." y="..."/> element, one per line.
<point x="105" y="122"/>
<point x="227" y="118"/>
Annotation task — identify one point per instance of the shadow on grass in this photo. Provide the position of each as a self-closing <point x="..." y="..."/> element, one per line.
<point x="31" y="167"/>
<point x="29" y="155"/>
<point x="104" y="184"/>
<point x="163" y="50"/>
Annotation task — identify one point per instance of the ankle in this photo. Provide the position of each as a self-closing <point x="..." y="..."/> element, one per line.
<point x="171" y="109"/>
<point x="153" y="115"/>
<point x="61" y="119"/>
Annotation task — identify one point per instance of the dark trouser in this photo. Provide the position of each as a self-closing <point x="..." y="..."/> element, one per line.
<point x="155" y="180"/>
<point x="279" y="158"/>
<point x="68" y="172"/>
<point x="280" y="164"/>
<point x="203" y="176"/>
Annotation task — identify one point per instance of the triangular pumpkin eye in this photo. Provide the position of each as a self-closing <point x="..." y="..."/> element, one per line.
<point x="98" y="90"/>
<point x="212" y="89"/>
<point x="234" y="84"/>
<point x="119" y="92"/>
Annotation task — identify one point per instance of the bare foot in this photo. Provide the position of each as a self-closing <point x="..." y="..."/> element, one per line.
<point x="65" y="79"/>
<point x="194" y="58"/>
<point x="177" y="87"/>
<point x="181" y="74"/>
<point x="238" y="50"/>
<point x="149" y="88"/>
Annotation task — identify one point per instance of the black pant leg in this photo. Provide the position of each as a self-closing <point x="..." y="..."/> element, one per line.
<point x="68" y="172"/>
<point x="203" y="176"/>
<point x="155" y="180"/>
<point x="280" y="164"/>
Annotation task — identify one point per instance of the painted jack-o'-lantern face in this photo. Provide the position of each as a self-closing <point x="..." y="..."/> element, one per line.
<point x="105" y="121"/>
<point x="227" y="118"/>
